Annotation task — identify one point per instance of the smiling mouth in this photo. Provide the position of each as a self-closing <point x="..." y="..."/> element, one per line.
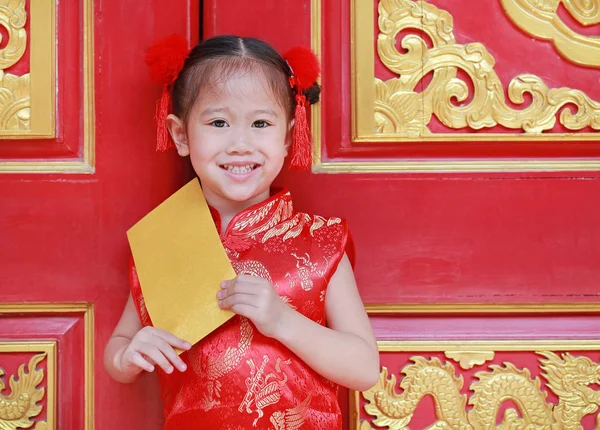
<point x="240" y="170"/>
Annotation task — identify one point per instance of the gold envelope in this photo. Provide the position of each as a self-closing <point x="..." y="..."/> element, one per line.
<point x="181" y="262"/>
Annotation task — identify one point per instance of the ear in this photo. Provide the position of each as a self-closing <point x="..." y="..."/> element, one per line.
<point x="289" y="136"/>
<point x="177" y="129"/>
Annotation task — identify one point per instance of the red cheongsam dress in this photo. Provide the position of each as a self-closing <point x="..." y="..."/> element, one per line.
<point x="237" y="378"/>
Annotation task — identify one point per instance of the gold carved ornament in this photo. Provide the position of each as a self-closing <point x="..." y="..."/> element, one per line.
<point x="539" y="18"/>
<point x="21" y="404"/>
<point x="469" y="359"/>
<point x="15" y="100"/>
<point x="400" y="110"/>
<point x="568" y="377"/>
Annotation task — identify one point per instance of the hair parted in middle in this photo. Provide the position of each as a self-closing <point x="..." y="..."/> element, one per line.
<point x="215" y="60"/>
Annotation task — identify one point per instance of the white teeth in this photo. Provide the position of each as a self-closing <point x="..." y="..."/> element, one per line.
<point x="239" y="170"/>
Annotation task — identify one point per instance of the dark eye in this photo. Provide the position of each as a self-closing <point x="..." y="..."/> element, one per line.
<point x="219" y="123"/>
<point x="260" y="124"/>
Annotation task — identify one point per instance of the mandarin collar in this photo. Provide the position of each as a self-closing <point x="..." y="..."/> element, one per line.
<point x="250" y="224"/>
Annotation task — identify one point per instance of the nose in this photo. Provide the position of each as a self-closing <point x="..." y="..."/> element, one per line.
<point x="240" y="143"/>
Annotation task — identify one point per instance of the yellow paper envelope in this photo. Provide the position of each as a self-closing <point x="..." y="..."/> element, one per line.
<point x="181" y="263"/>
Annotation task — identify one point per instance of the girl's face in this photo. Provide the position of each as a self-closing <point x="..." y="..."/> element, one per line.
<point x="236" y="138"/>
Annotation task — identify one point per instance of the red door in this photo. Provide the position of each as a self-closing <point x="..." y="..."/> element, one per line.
<point x="77" y="169"/>
<point x="476" y="236"/>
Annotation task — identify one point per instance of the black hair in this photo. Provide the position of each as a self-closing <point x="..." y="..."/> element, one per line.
<point x="220" y="57"/>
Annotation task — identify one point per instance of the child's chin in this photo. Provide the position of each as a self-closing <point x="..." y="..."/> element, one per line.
<point x="241" y="196"/>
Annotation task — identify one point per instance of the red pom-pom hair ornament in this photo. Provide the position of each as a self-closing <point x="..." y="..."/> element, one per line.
<point x="305" y="69"/>
<point x="165" y="61"/>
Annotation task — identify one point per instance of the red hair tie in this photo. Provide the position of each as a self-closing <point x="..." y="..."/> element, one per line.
<point x="165" y="61"/>
<point x="305" y="69"/>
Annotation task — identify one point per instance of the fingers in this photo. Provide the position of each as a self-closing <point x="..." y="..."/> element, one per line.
<point x="236" y="289"/>
<point x="231" y="287"/>
<point x="154" y="347"/>
<point x="137" y="359"/>
<point x="243" y="284"/>
<point x="237" y="299"/>
<point x="243" y="279"/>
<point x="172" y="340"/>
<point x="173" y="357"/>
<point x="157" y="355"/>
<point x="254" y="298"/>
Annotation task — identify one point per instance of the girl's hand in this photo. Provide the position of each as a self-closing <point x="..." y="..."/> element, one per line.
<point x="255" y="299"/>
<point x="152" y="346"/>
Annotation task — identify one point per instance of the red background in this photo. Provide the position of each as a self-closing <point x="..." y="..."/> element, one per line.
<point x="427" y="238"/>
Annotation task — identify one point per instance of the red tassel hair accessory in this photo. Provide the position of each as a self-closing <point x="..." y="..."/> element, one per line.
<point x="165" y="61"/>
<point x="305" y="69"/>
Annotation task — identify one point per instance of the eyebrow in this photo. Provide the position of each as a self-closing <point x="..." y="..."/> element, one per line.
<point x="265" y="111"/>
<point x="210" y="111"/>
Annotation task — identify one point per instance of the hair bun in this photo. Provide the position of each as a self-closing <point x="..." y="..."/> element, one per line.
<point x="313" y="94"/>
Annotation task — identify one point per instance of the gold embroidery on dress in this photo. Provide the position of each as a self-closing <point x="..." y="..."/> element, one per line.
<point x="305" y="269"/>
<point x="283" y="211"/>
<point x="289" y="229"/>
<point x="333" y="221"/>
<point x="319" y="222"/>
<point x="257" y="215"/>
<point x="293" y="227"/>
<point x="260" y="393"/>
<point x="281" y="222"/>
<point x="252" y="268"/>
<point x="223" y="365"/>
<point x="293" y="418"/>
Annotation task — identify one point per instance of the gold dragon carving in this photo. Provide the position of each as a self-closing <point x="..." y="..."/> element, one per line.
<point x="21" y="404"/>
<point x="401" y="110"/>
<point x="540" y="19"/>
<point x="15" y="100"/>
<point x="567" y="376"/>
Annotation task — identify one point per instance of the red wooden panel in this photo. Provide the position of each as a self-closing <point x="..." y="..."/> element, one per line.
<point x="68" y="143"/>
<point x="425" y="411"/>
<point x="68" y="331"/>
<point x="514" y="337"/>
<point x="65" y="234"/>
<point x="482" y="326"/>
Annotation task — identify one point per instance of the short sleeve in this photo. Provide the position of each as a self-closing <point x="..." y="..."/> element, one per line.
<point x="343" y="244"/>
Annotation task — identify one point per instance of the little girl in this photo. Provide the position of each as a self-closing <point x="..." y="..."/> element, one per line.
<point x="300" y="328"/>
